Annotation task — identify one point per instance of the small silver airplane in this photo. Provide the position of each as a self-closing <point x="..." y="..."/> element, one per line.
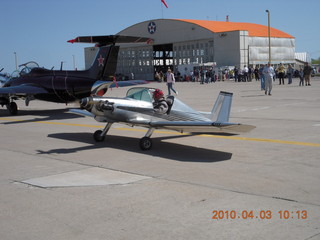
<point x="137" y="109"/>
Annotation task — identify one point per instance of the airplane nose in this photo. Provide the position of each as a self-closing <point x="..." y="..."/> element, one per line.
<point x="86" y="103"/>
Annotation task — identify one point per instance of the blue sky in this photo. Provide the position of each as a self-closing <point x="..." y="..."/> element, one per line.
<point x="38" y="30"/>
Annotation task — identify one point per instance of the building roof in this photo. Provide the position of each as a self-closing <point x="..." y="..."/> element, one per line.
<point x="254" y="30"/>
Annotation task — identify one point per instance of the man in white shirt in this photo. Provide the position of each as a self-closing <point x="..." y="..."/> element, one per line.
<point x="245" y="73"/>
<point x="268" y="72"/>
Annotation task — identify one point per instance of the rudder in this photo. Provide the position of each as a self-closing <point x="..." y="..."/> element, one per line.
<point x="98" y="67"/>
<point x="222" y="107"/>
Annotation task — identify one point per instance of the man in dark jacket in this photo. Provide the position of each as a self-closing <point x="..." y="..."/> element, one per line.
<point x="307" y="74"/>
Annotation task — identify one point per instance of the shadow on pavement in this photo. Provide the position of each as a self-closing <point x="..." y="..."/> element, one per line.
<point x="172" y="151"/>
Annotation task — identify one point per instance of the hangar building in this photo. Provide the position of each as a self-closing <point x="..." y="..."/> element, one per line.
<point x="181" y="42"/>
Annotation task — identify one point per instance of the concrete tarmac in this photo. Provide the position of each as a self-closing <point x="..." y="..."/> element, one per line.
<point x="57" y="183"/>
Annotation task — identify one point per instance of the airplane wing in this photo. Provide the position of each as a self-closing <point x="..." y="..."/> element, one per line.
<point x="202" y="127"/>
<point x="22" y="90"/>
<point x="128" y="83"/>
<point x="104" y="85"/>
<point x="82" y="112"/>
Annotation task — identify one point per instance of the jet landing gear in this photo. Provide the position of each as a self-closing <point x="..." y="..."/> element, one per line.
<point x="146" y="142"/>
<point x="12" y="108"/>
<point x="10" y="104"/>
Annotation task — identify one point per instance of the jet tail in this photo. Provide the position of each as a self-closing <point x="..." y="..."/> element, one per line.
<point x="221" y="109"/>
<point x="105" y="63"/>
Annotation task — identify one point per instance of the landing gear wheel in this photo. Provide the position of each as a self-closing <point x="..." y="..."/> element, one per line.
<point x="13" y="108"/>
<point x="97" y="136"/>
<point x="145" y="143"/>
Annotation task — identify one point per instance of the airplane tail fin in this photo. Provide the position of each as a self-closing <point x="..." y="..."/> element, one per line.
<point x="105" y="62"/>
<point x="221" y="109"/>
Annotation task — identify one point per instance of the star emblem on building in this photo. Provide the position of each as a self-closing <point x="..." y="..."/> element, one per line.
<point x="152" y="27"/>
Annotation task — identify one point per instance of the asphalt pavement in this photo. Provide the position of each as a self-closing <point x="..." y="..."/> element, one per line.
<point x="57" y="183"/>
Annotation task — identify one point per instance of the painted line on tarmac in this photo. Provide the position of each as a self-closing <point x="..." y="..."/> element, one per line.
<point x="233" y="138"/>
<point x="176" y="133"/>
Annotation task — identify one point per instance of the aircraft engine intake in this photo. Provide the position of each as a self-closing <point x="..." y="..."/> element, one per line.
<point x="87" y="103"/>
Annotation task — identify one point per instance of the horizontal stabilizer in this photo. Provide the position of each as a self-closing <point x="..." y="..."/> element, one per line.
<point x="110" y="39"/>
<point x="202" y="127"/>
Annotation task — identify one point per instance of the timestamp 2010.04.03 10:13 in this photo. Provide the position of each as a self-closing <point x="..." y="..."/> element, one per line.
<point x="259" y="214"/>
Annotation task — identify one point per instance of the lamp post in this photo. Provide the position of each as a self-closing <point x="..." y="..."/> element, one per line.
<point x="269" y="35"/>
<point x="16" y="60"/>
<point x="74" y="62"/>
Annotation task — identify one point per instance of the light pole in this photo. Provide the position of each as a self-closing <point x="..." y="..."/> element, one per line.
<point x="74" y="62"/>
<point x="269" y="35"/>
<point x="16" y="60"/>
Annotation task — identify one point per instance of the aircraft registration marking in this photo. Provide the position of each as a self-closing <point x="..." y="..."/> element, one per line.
<point x="176" y="133"/>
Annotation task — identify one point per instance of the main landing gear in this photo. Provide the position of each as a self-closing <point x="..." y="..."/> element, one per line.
<point x="12" y="108"/>
<point x="11" y="105"/>
<point x="145" y="143"/>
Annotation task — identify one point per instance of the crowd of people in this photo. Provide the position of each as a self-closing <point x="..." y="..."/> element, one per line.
<point x="246" y="74"/>
<point x="266" y="74"/>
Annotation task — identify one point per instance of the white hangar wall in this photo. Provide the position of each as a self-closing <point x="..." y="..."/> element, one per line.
<point x="190" y="44"/>
<point x="177" y="42"/>
<point x="168" y="31"/>
<point x="282" y="50"/>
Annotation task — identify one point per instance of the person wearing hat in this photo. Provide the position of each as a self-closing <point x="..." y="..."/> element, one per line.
<point x="170" y="81"/>
<point x="159" y="105"/>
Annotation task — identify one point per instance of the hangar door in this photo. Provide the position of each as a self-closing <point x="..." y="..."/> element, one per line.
<point x="163" y="57"/>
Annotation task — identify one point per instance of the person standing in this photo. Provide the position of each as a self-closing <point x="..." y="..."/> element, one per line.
<point x="245" y="73"/>
<point x="256" y="73"/>
<point x="307" y="73"/>
<point x="170" y="81"/>
<point x="268" y="72"/>
<point x="236" y="74"/>
<point x="250" y="74"/>
<point x="262" y="77"/>
<point x="290" y="73"/>
<point x="281" y="72"/>
<point x="301" y="77"/>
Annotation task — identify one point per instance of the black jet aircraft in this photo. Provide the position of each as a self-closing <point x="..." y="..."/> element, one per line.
<point x="64" y="86"/>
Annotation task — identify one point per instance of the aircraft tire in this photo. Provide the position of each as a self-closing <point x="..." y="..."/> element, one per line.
<point x="97" y="136"/>
<point x="13" y="108"/>
<point x="145" y="143"/>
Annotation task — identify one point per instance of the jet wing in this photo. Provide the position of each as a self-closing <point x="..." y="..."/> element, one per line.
<point x="22" y="90"/>
<point x="104" y="85"/>
<point x="202" y="127"/>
